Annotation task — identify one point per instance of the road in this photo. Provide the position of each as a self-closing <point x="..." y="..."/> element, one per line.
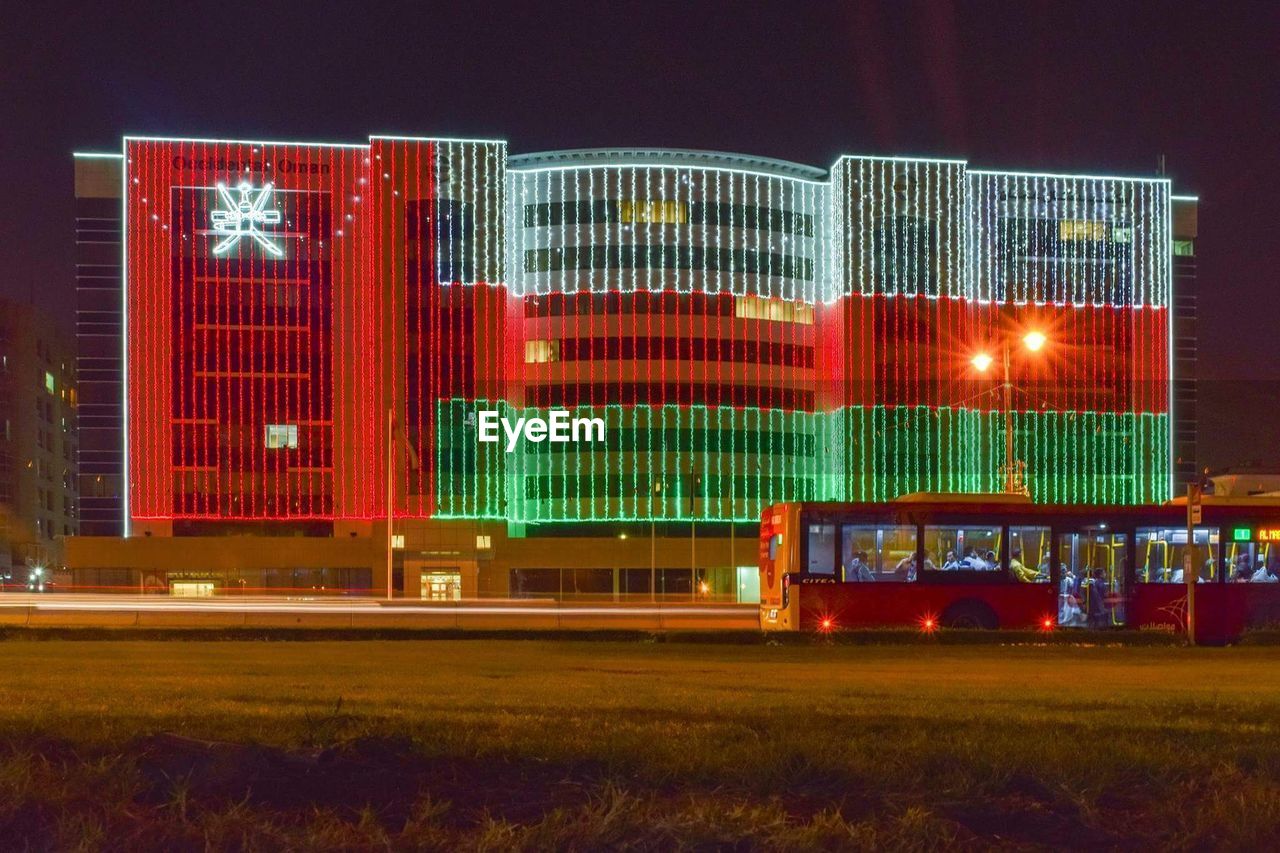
<point x="158" y="611"/>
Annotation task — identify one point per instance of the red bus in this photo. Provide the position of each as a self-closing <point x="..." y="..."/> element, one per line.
<point x="999" y="561"/>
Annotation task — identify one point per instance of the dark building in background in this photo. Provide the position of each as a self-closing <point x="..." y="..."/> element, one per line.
<point x="1186" y="460"/>
<point x="98" y="332"/>
<point x="38" y="485"/>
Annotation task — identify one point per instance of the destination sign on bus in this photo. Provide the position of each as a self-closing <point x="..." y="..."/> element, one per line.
<point x="1262" y="534"/>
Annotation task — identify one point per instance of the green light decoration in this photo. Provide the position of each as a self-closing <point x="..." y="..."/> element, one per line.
<point x="749" y="458"/>
<point x="667" y="463"/>
<point x="470" y="476"/>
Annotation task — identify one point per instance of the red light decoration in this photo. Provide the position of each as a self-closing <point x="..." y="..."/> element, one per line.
<point x="248" y="366"/>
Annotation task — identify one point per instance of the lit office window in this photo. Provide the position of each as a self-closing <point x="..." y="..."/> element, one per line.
<point x="759" y="308"/>
<point x="653" y="211"/>
<point x="282" y="436"/>
<point x="1082" y="229"/>
<point x="50" y="384"/>
<point x="541" y="352"/>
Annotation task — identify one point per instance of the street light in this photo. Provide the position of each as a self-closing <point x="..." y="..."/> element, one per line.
<point x="1034" y="341"/>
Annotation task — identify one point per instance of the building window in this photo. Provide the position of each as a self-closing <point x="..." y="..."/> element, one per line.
<point x="50" y="384"/>
<point x="1184" y="248"/>
<point x="760" y="308"/>
<point x="1082" y="229"/>
<point x="282" y="436"/>
<point x="484" y="542"/>
<point x="653" y="211"/>
<point x="541" y="352"/>
<point x="397" y="541"/>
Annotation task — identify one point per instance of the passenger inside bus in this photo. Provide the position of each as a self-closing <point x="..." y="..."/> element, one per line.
<point x="1026" y="574"/>
<point x="1070" y="614"/>
<point x="1095" y="599"/>
<point x="950" y="564"/>
<point x="857" y="569"/>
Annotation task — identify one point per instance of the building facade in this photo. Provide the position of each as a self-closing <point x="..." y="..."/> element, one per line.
<point x="1186" y="344"/>
<point x="39" y="503"/>
<point x="310" y="334"/>
<point x="99" y="357"/>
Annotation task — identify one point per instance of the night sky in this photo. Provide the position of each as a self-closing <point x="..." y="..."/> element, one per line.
<point x="1102" y="88"/>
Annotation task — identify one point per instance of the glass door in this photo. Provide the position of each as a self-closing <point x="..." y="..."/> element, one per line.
<point x="442" y="586"/>
<point x="1092" y="587"/>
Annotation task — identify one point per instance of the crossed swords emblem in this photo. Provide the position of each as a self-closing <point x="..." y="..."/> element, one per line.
<point x="243" y="217"/>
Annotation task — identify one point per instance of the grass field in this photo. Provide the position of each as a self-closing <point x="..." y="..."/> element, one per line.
<point x="532" y="744"/>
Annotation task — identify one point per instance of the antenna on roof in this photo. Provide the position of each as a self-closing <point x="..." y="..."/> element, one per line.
<point x="1160" y="166"/>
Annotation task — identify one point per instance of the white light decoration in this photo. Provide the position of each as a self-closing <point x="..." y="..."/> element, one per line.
<point x="243" y="217"/>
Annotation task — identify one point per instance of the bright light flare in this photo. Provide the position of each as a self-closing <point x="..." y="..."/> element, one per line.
<point x="1034" y="341"/>
<point x="827" y="625"/>
<point x="1046" y="624"/>
<point x="981" y="362"/>
<point x="928" y="624"/>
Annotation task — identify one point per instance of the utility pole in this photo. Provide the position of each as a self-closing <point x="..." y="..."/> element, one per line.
<point x="693" y="530"/>
<point x="1009" y="485"/>
<point x="1190" y="572"/>
<point x="391" y="491"/>
<point x="653" y="540"/>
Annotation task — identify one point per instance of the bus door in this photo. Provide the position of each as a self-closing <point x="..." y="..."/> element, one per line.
<point x="1092" y="583"/>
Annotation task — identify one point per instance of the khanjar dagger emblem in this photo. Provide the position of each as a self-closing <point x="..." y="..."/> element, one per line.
<point x="242" y="218"/>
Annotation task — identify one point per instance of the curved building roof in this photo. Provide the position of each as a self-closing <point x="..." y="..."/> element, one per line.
<point x="603" y="157"/>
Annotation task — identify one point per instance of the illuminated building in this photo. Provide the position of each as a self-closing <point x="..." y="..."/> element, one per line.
<point x="749" y="330"/>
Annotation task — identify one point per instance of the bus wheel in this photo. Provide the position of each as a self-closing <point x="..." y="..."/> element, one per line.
<point x="970" y="613"/>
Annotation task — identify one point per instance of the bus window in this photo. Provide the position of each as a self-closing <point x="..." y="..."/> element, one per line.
<point x="971" y="549"/>
<point x="1161" y="553"/>
<point x="873" y="553"/>
<point x="822" y="550"/>
<point x="1252" y="562"/>
<point x="1092" y="586"/>
<point x="775" y="542"/>
<point x="1029" y="554"/>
